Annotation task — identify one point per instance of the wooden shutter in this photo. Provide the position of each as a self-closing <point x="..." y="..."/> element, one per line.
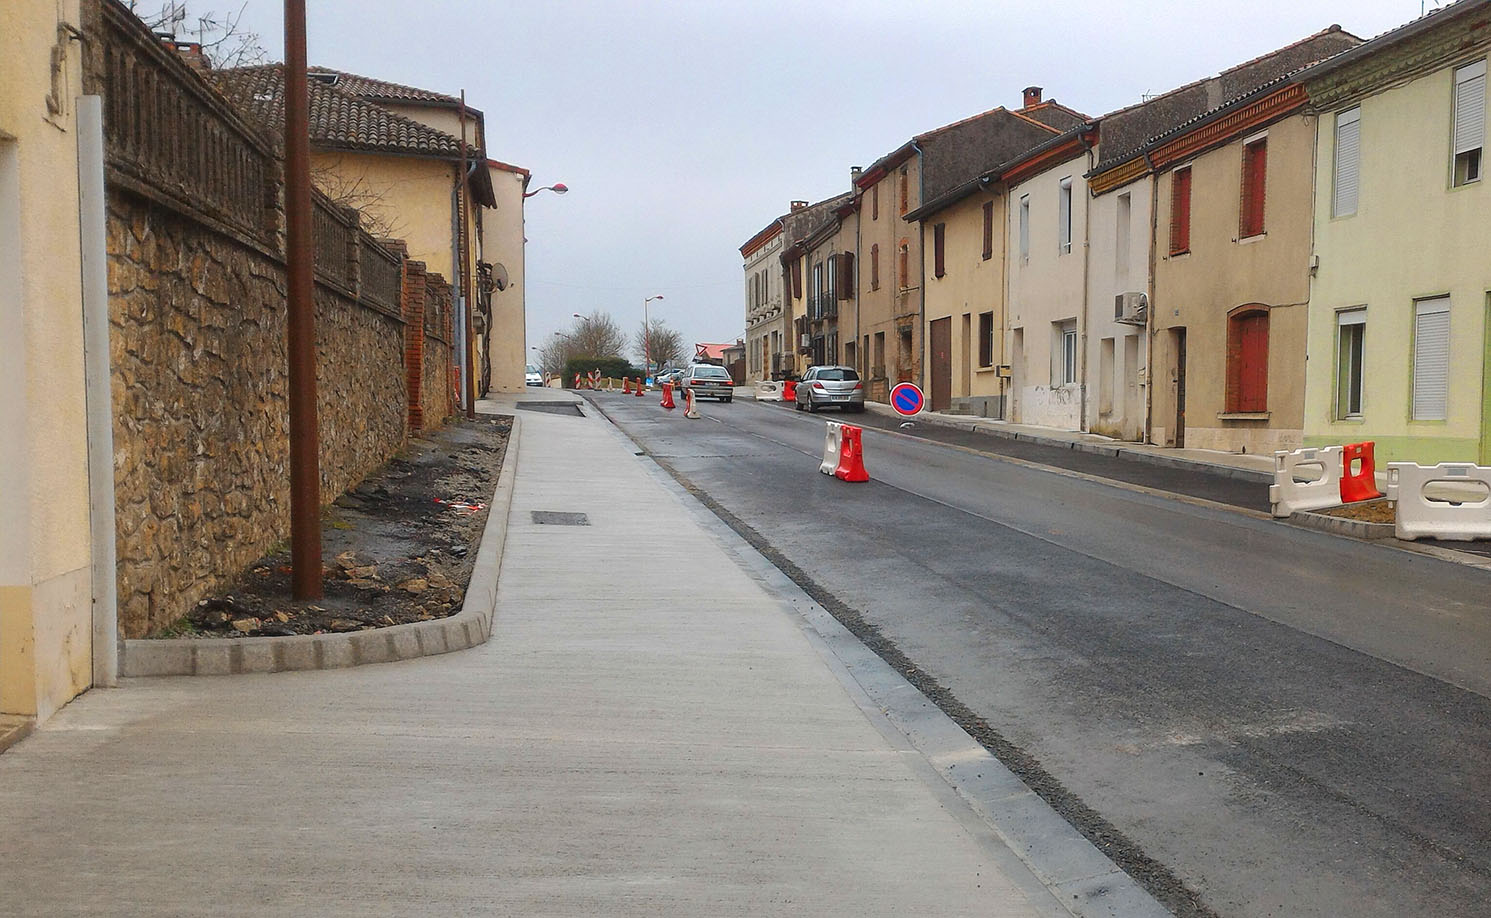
<point x="939" y="240"/>
<point x="1064" y="216"/>
<point x="988" y="230"/>
<point x="1470" y="107"/>
<point x="875" y="266"/>
<point x="1180" y="211"/>
<point x="1348" y="161"/>
<point x="846" y="275"/>
<point x="985" y="339"/>
<point x="905" y="193"/>
<point x="1247" y="362"/>
<point x="1254" y="185"/>
<point x="797" y="278"/>
<point x="1431" y="359"/>
<point x="875" y="201"/>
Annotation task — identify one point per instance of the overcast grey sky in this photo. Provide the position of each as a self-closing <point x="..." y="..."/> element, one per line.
<point x="683" y="127"/>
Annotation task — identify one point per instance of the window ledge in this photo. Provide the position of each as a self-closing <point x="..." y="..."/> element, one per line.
<point x="1249" y="240"/>
<point x="1243" y="415"/>
<point x="1181" y="254"/>
<point x="988" y="369"/>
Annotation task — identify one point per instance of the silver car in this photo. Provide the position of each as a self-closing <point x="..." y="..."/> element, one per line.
<point x="707" y="381"/>
<point x="823" y="386"/>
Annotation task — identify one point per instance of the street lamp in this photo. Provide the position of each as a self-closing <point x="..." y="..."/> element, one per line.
<point x="557" y="188"/>
<point x="647" y="338"/>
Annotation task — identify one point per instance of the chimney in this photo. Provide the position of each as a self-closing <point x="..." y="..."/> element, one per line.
<point x="190" y="51"/>
<point x="854" y="173"/>
<point x="798" y="205"/>
<point x="1032" y="96"/>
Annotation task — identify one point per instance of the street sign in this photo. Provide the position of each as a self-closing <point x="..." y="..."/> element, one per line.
<point x="907" y="399"/>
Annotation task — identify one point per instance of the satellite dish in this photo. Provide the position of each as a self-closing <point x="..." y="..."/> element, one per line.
<point x="499" y="276"/>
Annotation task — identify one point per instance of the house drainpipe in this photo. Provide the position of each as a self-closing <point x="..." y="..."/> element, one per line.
<point x="92" y="220"/>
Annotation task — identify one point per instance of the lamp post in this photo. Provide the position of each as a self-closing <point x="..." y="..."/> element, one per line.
<point x="647" y="339"/>
<point x="557" y="188"/>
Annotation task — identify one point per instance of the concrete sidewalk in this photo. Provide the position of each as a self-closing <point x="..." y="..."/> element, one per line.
<point x="650" y="730"/>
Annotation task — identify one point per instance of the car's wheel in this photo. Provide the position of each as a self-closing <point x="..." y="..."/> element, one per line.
<point x="797" y="405"/>
<point x="812" y="407"/>
<point x="727" y="399"/>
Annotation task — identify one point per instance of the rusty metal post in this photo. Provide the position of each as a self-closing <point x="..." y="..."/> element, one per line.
<point x="305" y="451"/>
<point x="466" y="271"/>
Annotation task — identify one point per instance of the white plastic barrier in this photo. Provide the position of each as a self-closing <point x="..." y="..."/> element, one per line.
<point x="1451" y="500"/>
<point x="833" y="439"/>
<point x="768" y="391"/>
<point x="1288" y="495"/>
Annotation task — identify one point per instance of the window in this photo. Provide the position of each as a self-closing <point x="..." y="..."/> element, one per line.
<point x="827" y="304"/>
<point x="1351" y="331"/>
<point x="1254" y="187"/>
<point x="1024" y="228"/>
<point x="815" y="292"/>
<point x="1470" y="121"/>
<point x="903" y="266"/>
<point x="1180" y="211"/>
<point x="1348" y="162"/>
<point x="1121" y="245"/>
<point x="838" y="374"/>
<point x="1064" y="217"/>
<point x="1431" y="359"/>
<point x="1064" y="366"/>
<point x="986" y="339"/>
<point x="875" y="201"/>
<point x="988" y="230"/>
<point x="879" y="365"/>
<point x="939" y="242"/>
<point x="875" y="266"/>
<point x="905" y="193"/>
<point x="1247" y="361"/>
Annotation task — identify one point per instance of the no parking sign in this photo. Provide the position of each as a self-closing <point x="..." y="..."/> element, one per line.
<point x="907" y="399"/>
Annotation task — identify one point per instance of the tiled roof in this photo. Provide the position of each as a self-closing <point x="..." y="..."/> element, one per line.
<point x="382" y="90"/>
<point x="338" y="120"/>
<point x="1053" y="114"/>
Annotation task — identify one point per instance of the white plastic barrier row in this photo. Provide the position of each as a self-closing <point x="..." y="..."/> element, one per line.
<point x="1288" y="495"/>
<point x="833" y="440"/>
<point x="1451" y="500"/>
<point x="768" y="391"/>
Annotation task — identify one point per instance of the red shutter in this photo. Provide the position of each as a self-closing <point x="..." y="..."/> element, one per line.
<point x="988" y="230"/>
<point x="875" y="201"/>
<point x="1255" y="183"/>
<point x="1247" y="363"/>
<point x="875" y="266"/>
<point x="797" y="279"/>
<point x="1180" y="211"/>
<point x="846" y="276"/>
<point x="939" y="238"/>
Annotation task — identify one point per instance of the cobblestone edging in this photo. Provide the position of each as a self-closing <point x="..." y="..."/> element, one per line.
<point x="467" y="628"/>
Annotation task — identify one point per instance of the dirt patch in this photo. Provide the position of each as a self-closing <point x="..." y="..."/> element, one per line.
<point x="1367" y="511"/>
<point x="397" y="548"/>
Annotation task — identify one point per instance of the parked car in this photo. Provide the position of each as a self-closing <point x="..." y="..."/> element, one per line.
<point x="834" y="385"/>
<point x="706" y="380"/>
<point x="532" y="377"/>
<point x="668" y="376"/>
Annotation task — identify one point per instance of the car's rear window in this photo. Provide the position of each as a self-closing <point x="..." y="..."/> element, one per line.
<point x="711" y="372"/>
<point x="838" y="374"/>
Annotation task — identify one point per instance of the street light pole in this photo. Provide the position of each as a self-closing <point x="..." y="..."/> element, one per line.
<point x="647" y="340"/>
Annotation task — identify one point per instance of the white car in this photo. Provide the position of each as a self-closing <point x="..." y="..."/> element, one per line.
<point x="532" y="377"/>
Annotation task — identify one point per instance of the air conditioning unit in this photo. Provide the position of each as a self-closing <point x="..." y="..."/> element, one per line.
<point x="1130" y="308"/>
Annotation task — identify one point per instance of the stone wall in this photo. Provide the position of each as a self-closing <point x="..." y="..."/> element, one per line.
<point x="438" y="394"/>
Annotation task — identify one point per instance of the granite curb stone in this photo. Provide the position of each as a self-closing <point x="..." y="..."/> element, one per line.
<point x="467" y="628"/>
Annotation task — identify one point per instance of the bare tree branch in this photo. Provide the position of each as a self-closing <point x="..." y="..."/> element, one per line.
<point x="666" y="346"/>
<point x="225" y="41"/>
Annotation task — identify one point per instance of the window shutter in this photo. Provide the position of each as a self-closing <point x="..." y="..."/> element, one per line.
<point x="1431" y="359"/>
<point x="1064" y="216"/>
<point x="1348" y="161"/>
<point x="1254" y="394"/>
<point x="988" y="230"/>
<point x="797" y="279"/>
<point x="1254" y="182"/>
<point x="1180" y="211"/>
<point x="939" y="240"/>
<point x="985" y="339"/>
<point x="875" y="266"/>
<point x="1025" y="226"/>
<point x="846" y="275"/>
<point x="1470" y="107"/>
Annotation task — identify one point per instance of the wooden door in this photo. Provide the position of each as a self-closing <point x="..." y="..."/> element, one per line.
<point x="941" y="348"/>
<point x="1180" y="388"/>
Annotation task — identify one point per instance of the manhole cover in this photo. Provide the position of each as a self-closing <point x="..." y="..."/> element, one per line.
<point x="565" y="408"/>
<point x="559" y="518"/>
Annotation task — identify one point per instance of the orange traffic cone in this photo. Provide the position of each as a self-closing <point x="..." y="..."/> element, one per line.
<point x="667" y="401"/>
<point x="626" y="386"/>
<point x="641" y="387"/>
<point x="688" y="405"/>
<point x="851" y="457"/>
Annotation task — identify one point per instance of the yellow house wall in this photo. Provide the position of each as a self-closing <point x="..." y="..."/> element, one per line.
<point x="844" y="323"/>
<point x="1197" y="290"/>
<point x="1122" y="413"/>
<point x="408" y="197"/>
<point x="1413" y="236"/>
<point x="891" y="307"/>
<point x="45" y="587"/>
<point x="767" y="327"/>
<point x="970" y="285"/>
<point x="1046" y="289"/>
<point x="502" y="243"/>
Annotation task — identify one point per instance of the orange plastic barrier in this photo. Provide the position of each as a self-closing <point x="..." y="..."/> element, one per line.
<point x="851" y="456"/>
<point x="1362" y="483"/>
<point x="789" y="390"/>
<point x="667" y="401"/>
<point x="641" y="387"/>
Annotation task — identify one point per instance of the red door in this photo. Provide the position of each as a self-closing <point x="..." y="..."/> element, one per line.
<point x="942" y="364"/>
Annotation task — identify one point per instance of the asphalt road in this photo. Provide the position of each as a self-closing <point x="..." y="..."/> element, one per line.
<point x="1253" y="719"/>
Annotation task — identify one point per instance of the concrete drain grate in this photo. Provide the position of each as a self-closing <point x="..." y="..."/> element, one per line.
<point x="568" y="409"/>
<point x="559" y="518"/>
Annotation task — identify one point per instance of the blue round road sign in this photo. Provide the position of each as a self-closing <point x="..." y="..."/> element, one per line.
<point x="907" y="399"/>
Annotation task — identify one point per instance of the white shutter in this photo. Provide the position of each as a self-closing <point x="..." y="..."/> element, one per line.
<point x="1431" y="359"/>
<point x="1348" y="161"/>
<point x="1470" y="107"/>
<point x="1064" y="216"/>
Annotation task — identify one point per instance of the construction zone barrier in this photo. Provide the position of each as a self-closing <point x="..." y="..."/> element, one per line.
<point x="768" y="390"/>
<point x="689" y="411"/>
<point x="641" y="388"/>
<point x="851" y="456"/>
<point x="1451" y="500"/>
<point x="833" y="437"/>
<point x="1294" y="490"/>
<point x="789" y="390"/>
<point x="667" y="399"/>
<point x="1360" y="484"/>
